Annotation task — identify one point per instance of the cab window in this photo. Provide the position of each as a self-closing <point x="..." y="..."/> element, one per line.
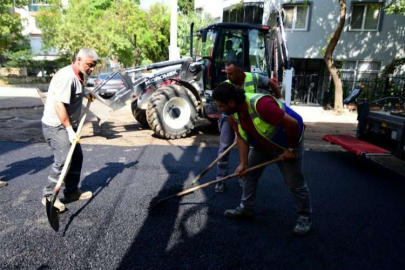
<point x="257" y="51"/>
<point x="230" y="47"/>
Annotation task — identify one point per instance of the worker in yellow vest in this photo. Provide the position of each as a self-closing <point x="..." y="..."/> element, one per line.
<point x="266" y="129"/>
<point x="251" y="83"/>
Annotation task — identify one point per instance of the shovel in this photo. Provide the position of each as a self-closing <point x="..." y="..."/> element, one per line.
<point x="191" y="190"/>
<point x="52" y="212"/>
<point x="213" y="163"/>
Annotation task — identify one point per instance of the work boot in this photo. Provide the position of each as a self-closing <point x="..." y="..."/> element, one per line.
<point x="303" y="225"/>
<point x="239" y="213"/>
<point x="77" y="195"/>
<point x="3" y="184"/>
<point x="57" y="204"/>
<point x="220" y="187"/>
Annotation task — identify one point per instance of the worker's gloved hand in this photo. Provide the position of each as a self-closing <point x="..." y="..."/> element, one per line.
<point x="72" y="134"/>
<point x="90" y="96"/>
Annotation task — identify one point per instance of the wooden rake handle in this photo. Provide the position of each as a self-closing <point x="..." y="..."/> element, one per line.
<point x="213" y="163"/>
<point x="190" y="190"/>
<point x="72" y="149"/>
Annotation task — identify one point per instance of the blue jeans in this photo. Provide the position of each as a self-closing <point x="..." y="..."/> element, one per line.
<point x="291" y="170"/>
<point x="226" y="138"/>
<point x="58" y="139"/>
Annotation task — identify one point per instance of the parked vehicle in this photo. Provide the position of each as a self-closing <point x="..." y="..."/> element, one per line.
<point x="110" y="87"/>
<point x="91" y="81"/>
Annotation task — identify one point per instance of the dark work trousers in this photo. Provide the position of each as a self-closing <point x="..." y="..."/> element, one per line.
<point x="58" y="139"/>
<point x="291" y="169"/>
<point x="226" y="138"/>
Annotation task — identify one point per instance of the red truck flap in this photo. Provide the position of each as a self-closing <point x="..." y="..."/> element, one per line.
<point x="354" y="145"/>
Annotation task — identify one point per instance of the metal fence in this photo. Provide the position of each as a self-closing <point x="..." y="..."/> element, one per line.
<point x="319" y="90"/>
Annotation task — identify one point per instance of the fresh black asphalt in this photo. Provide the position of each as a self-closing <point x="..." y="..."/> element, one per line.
<point x="358" y="222"/>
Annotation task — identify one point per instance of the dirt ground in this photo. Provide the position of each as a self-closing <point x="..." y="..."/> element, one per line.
<point x="23" y="123"/>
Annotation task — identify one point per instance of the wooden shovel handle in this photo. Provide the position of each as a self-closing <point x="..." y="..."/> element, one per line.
<point x="190" y="190"/>
<point x="213" y="163"/>
<point x="72" y="149"/>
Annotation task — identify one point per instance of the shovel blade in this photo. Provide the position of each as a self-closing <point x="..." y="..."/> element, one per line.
<point x="53" y="214"/>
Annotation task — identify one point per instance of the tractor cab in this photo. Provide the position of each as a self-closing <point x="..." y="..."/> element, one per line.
<point x="220" y="43"/>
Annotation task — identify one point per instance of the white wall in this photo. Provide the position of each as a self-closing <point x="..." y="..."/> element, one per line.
<point x="212" y="7"/>
<point x="33" y="33"/>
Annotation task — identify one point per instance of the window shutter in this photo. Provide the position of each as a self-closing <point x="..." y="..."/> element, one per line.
<point x="372" y="15"/>
<point x="357" y="16"/>
<point x="301" y="17"/>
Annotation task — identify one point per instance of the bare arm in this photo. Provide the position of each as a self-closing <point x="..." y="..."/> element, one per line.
<point x="243" y="149"/>
<point x="292" y="129"/>
<point x="62" y="113"/>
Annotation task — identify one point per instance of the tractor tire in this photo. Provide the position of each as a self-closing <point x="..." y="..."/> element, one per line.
<point x="172" y="112"/>
<point x="139" y="114"/>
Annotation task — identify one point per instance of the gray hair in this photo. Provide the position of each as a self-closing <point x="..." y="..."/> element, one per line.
<point x="87" y="52"/>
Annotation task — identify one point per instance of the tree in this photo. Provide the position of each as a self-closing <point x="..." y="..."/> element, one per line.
<point x="186" y="7"/>
<point x="338" y="106"/>
<point x="397" y="7"/>
<point x="110" y="27"/>
<point x="10" y="24"/>
<point x="185" y="21"/>
<point x="78" y="25"/>
<point x="126" y="33"/>
<point x="138" y="36"/>
<point x="159" y="25"/>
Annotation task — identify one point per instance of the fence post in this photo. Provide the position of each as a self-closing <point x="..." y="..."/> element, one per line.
<point x="387" y="85"/>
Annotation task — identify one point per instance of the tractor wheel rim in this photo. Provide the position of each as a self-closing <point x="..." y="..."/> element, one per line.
<point x="176" y="113"/>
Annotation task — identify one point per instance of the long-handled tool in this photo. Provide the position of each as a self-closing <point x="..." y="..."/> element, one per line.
<point x="213" y="163"/>
<point x="52" y="212"/>
<point x="191" y="190"/>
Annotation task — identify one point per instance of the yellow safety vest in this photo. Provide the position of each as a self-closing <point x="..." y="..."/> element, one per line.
<point x="251" y="82"/>
<point x="265" y="129"/>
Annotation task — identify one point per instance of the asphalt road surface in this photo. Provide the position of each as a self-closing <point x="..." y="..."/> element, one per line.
<point x="358" y="218"/>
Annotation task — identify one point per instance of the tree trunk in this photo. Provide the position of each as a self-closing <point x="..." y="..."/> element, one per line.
<point x="338" y="106"/>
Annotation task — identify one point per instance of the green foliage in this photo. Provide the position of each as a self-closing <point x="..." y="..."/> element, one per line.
<point x="184" y="23"/>
<point x="157" y="48"/>
<point x="396" y="8"/>
<point x="20" y="58"/>
<point x="110" y="27"/>
<point x="391" y="67"/>
<point x="186" y="7"/>
<point x="78" y="25"/>
<point x="10" y="24"/>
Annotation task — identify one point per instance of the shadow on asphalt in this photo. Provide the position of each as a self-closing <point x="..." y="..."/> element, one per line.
<point x="29" y="166"/>
<point x="156" y="233"/>
<point x="353" y="219"/>
<point x="97" y="182"/>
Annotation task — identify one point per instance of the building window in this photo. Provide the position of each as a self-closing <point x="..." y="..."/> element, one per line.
<point x="296" y="17"/>
<point x="251" y="12"/>
<point x="365" y="16"/>
<point x="35" y="5"/>
<point x="355" y="72"/>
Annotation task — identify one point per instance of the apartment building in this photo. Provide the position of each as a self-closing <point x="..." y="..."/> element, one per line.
<point x="33" y="33"/>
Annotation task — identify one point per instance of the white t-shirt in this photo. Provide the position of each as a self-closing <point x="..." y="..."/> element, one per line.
<point x="64" y="87"/>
